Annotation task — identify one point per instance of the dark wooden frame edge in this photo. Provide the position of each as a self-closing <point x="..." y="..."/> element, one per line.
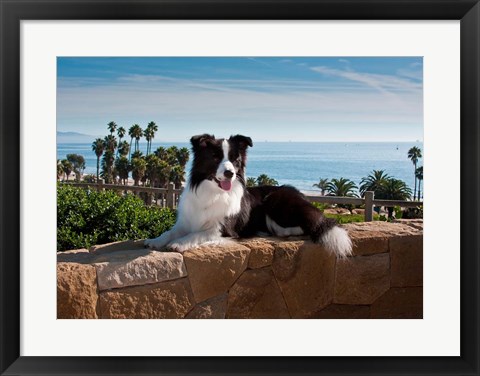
<point x="12" y="12"/>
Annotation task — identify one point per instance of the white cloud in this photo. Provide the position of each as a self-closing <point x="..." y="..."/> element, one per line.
<point x="387" y="84"/>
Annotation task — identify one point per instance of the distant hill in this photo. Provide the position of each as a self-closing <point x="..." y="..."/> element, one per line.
<point x="74" y="138"/>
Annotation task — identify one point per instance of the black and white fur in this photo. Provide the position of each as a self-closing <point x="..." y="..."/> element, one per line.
<point x="216" y="203"/>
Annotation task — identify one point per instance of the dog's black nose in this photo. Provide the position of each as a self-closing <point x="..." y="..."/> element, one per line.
<point x="228" y="174"/>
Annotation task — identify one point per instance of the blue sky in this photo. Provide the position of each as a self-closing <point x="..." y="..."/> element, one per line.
<point x="267" y="98"/>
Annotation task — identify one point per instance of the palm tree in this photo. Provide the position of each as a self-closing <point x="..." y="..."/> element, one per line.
<point x="151" y="170"/>
<point x="112" y="126"/>
<point x="59" y="169"/>
<point x="122" y="166"/>
<point x="161" y="153"/>
<point x="137" y="154"/>
<point x="373" y="182"/>
<point x="120" y="133"/>
<point x="148" y="134"/>
<point x="264" y="179"/>
<point x="394" y="189"/>
<point x="132" y="131"/>
<point x="419" y="176"/>
<point x="177" y="176"/>
<point x="151" y="129"/>
<point x="123" y="148"/>
<point x="183" y="155"/>
<point x="162" y="173"/>
<point x="98" y="147"/>
<point x="67" y="167"/>
<point x="138" y="167"/>
<point x="342" y="187"/>
<point x="135" y="132"/>
<point x="107" y="166"/>
<point x="251" y="182"/>
<point x="322" y="185"/>
<point x="414" y="154"/>
<point x="110" y="142"/>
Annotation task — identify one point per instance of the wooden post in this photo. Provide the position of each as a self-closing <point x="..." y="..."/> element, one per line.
<point x="170" y="195"/>
<point x="369" y="196"/>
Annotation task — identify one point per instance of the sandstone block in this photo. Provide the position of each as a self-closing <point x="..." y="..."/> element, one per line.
<point x="79" y="256"/>
<point x="364" y="244"/>
<point x="138" y="267"/>
<point x="305" y="273"/>
<point x="343" y="311"/>
<point x="76" y="291"/>
<point x="399" y="303"/>
<point x="406" y="253"/>
<point x="362" y="279"/>
<point x="256" y="295"/>
<point x="212" y="269"/>
<point x="213" y="308"/>
<point x="165" y="300"/>
<point x="261" y="252"/>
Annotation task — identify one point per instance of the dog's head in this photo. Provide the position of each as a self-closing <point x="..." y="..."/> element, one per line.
<point x="221" y="161"/>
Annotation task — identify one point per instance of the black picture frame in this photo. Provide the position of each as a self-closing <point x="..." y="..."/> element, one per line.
<point x="13" y="12"/>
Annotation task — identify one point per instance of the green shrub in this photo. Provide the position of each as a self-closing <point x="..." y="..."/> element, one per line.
<point x="341" y="218"/>
<point x="86" y="217"/>
<point x="321" y="206"/>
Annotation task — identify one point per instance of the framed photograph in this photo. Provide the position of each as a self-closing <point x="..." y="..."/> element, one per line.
<point x="306" y="89"/>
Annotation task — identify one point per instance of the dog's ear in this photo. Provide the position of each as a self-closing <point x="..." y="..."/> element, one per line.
<point x="201" y="140"/>
<point x="242" y="141"/>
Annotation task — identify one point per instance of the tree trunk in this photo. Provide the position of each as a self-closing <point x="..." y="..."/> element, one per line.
<point x="415" y="189"/>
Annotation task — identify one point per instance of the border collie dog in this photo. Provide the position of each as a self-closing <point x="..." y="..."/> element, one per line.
<point x="216" y="203"/>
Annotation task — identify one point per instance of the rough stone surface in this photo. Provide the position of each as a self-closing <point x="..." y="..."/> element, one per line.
<point x="399" y="303"/>
<point x="378" y="228"/>
<point x="373" y="237"/>
<point x="79" y="256"/>
<point x="286" y="277"/>
<point x="76" y="291"/>
<point x="126" y="245"/>
<point x="362" y="279"/>
<point x="137" y="267"/>
<point x="261" y="252"/>
<point x="213" y="308"/>
<point x="256" y="295"/>
<point x="165" y="300"/>
<point x="343" y="311"/>
<point x="305" y="273"/>
<point x="414" y="223"/>
<point x="212" y="269"/>
<point x="406" y="253"/>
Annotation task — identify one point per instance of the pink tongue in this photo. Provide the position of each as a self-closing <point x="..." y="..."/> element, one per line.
<point x="226" y="185"/>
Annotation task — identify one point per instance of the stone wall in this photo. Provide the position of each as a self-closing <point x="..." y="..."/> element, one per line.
<point x="255" y="278"/>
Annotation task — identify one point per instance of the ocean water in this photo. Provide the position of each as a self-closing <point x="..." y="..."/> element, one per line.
<point x="302" y="164"/>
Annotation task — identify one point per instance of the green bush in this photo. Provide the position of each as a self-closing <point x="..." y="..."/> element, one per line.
<point x="86" y="217"/>
<point x="341" y="218"/>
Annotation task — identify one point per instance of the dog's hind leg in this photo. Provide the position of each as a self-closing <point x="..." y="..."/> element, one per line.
<point x="287" y="210"/>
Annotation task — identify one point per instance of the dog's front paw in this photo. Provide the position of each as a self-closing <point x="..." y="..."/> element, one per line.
<point x="179" y="247"/>
<point x="156" y="243"/>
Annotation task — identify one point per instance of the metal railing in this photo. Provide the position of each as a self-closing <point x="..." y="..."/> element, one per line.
<point x="368" y="200"/>
<point x="168" y="197"/>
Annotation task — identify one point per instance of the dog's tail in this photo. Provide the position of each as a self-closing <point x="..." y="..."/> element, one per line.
<point x="333" y="237"/>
